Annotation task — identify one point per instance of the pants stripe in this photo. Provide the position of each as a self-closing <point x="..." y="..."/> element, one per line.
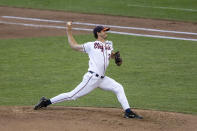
<point x="76" y="92"/>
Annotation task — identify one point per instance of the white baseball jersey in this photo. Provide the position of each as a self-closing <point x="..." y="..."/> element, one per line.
<point x="99" y="54"/>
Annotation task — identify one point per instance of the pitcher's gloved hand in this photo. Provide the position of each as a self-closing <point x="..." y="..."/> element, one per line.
<point x="118" y="59"/>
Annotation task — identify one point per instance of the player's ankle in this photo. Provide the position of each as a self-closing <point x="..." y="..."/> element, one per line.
<point x="128" y="110"/>
<point x="48" y="102"/>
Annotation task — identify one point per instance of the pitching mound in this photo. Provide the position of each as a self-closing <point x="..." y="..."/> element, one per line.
<point x="91" y="119"/>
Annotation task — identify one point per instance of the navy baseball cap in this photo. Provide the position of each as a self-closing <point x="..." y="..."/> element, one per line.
<point x="99" y="29"/>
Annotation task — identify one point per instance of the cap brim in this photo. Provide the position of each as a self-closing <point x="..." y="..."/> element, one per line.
<point x="106" y="29"/>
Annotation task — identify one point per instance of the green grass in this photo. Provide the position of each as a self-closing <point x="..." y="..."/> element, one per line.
<point x="118" y="7"/>
<point x="157" y="74"/>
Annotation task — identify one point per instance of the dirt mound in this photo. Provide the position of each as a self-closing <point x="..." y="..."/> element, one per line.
<point x="20" y="118"/>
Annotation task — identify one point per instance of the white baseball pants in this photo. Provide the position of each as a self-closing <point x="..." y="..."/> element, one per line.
<point x="89" y="83"/>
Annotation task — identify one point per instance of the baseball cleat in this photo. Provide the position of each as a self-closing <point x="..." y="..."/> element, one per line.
<point x="132" y="115"/>
<point x="42" y="103"/>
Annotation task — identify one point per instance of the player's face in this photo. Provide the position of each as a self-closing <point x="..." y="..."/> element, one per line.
<point x="102" y="34"/>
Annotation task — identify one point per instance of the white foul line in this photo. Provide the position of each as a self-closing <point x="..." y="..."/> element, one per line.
<point x="90" y="24"/>
<point x="84" y="29"/>
<point x="43" y="26"/>
<point x="182" y="9"/>
<point x="33" y="19"/>
<point x="153" y="36"/>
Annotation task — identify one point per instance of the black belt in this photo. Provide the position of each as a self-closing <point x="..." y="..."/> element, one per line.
<point x="97" y="75"/>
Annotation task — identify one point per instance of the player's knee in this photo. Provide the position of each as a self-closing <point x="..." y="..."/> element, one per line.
<point x="118" y="88"/>
<point x="121" y="88"/>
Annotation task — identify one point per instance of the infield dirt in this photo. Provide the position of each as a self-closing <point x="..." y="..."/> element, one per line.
<point x="21" y="118"/>
<point x="18" y="118"/>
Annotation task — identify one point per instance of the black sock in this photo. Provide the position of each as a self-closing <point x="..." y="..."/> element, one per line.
<point x="128" y="110"/>
<point x="48" y="102"/>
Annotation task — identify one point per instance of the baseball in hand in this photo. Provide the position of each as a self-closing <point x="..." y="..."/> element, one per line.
<point x="69" y="23"/>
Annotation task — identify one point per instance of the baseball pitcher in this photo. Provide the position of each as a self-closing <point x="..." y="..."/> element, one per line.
<point x="100" y="52"/>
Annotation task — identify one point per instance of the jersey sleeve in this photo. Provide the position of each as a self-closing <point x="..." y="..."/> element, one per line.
<point x="86" y="47"/>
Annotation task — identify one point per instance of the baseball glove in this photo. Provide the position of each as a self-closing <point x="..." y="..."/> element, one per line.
<point x="118" y="59"/>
